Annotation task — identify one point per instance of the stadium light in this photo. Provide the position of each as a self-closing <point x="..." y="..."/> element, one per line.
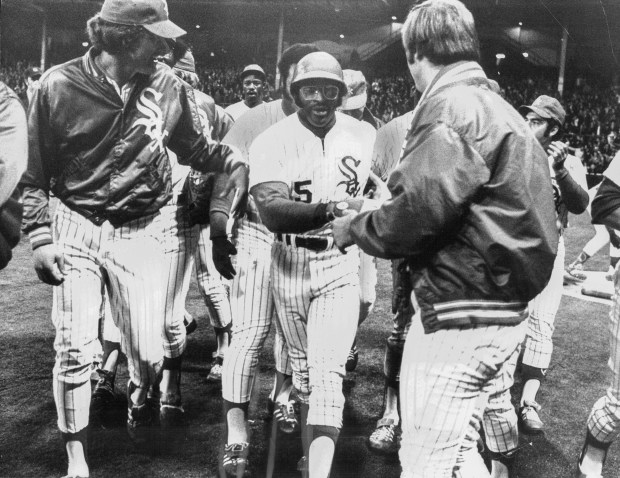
<point x="197" y="27"/>
<point x="520" y="24"/>
<point x="84" y="44"/>
<point x="500" y="56"/>
<point x="341" y="35"/>
<point x="212" y="54"/>
<point x="393" y="18"/>
<point x="525" y="54"/>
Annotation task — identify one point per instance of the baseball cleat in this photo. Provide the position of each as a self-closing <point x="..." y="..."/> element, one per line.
<point x="139" y="419"/>
<point x="286" y="414"/>
<point x="103" y="396"/>
<point x="352" y="359"/>
<point x="215" y="374"/>
<point x="531" y="423"/>
<point x="235" y="459"/>
<point x="385" y="437"/>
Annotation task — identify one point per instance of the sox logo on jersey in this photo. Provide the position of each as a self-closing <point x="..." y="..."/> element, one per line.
<point x="153" y="123"/>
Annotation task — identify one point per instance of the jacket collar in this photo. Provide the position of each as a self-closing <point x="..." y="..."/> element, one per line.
<point x="461" y="71"/>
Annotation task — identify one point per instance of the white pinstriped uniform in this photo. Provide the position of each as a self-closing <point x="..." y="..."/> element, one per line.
<point x="182" y="245"/>
<point x="133" y="258"/>
<point x="544" y="307"/>
<point x="604" y="418"/>
<point x="316" y="293"/>
<point x="251" y="298"/>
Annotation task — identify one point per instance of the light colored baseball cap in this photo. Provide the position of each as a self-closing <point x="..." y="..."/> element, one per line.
<point x="546" y="107"/>
<point x="253" y="69"/>
<point x="356" y="96"/>
<point x="151" y="14"/>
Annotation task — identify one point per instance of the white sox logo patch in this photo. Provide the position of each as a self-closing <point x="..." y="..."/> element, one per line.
<point x="154" y="121"/>
<point x="351" y="183"/>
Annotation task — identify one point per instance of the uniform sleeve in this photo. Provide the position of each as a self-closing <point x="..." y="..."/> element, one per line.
<point x="13" y="141"/>
<point x="36" y="180"/>
<point x="195" y="149"/>
<point x="577" y="171"/>
<point x="431" y="189"/>
<point x="268" y="164"/>
<point x="223" y="123"/>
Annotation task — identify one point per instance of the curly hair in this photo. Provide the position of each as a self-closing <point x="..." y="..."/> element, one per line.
<point x="113" y="37"/>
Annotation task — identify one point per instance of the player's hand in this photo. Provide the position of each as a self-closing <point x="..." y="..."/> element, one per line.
<point x="222" y="249"/>
<point x="49" y="264"/>
<point x="341" y="230"/>
<point x="238" y="181"/>
<point x="558" y="152"/>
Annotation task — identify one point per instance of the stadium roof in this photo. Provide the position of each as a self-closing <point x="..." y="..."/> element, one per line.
<point x="592" y="26"/>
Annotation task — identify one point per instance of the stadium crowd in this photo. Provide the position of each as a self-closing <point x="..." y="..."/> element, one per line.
<point x="593" y="113"/>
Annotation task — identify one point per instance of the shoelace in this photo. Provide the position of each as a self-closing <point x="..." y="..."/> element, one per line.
<point x="384" y="433"/>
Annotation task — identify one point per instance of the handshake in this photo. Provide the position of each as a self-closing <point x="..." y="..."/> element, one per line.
<point x="342" y="213"/>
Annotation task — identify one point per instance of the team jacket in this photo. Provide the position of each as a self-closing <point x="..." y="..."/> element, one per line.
<point x="472" y="206"/>
<point x="106" y="159"/>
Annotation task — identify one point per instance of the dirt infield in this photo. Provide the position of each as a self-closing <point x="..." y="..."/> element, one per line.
<point x="30" y="445"/>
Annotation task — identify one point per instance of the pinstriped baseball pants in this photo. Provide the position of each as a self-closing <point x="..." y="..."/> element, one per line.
<point x="252" y="307"/>
<point x="182" y="243"/>
<point x="604" y="419"/>
<point x="500" y="419"/>
<point x="368" y="285"/>
<point x="129" y="262"/>
<point x="317" y="300"/>
<point x="538" y="345"/>
<point x="446" y="379"/>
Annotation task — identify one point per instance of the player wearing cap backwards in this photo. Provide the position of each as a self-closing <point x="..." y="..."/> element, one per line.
<point x="99" y="127"/>
<point x="253" y="82"/>
<point x="250" y="293"/>
<point x="303" y="167"/>
<point x="603" y="424"/>
<point x="354" y="104"/>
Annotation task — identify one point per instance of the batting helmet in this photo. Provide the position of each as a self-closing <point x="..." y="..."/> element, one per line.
<point x="318" y="65"/>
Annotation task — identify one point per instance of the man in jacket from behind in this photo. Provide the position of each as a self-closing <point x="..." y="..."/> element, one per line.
<point x="472" y="211"/>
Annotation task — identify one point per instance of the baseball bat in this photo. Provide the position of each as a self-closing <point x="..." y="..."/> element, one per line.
<point x="596" y="293"/>
<point x="271" y="457"/>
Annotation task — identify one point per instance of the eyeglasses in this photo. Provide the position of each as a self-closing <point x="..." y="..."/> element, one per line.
<point x="256" y="83"/>
<point x="329" y="92"/>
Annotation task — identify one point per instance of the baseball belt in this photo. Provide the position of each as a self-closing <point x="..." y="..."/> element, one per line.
<point x="316" y="244"/>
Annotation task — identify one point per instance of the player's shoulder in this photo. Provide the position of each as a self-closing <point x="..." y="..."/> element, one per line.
<point x="354" y="126"/>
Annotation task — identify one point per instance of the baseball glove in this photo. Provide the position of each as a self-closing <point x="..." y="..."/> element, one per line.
<point x="198" y="188"/>
<point x="401" y="286"/>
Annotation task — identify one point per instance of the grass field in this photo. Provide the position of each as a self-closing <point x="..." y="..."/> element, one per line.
<point x="30" y="445"/>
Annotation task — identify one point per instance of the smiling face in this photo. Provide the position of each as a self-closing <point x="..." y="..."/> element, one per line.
<point x="318" y="100"/>
<point x="146" y="51"/>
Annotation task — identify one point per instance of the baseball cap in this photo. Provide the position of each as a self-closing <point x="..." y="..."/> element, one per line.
<point x="545" y="107"/>
<point x="151" y="14"/>
<point x="34" y="72"/>
<point x="253" y="70"/>
<point x="356" y="96"/>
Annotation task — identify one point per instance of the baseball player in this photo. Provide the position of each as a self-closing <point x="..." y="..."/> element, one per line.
<point x="253" y="81"/>
<point x="354" y="105"/>
<point x="603" y="235"/>
<point x="184" y="239"/>
<point x="603" y="425"/>
<point x="13" y="159"/>
<point x="99" y="126"/>
<point x="472" y="211"/>
<point x="384" y="439"/>
<point x="302" y="167"/>
<point x="251" y="297"/>
<point x="546" y="118"/>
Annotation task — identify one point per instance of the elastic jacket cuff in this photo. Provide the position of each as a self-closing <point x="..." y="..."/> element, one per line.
<point x="40" y="237"/>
